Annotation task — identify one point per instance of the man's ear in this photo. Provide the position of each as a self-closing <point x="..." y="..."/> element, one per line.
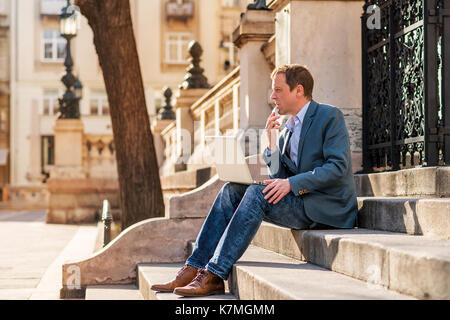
<point x="300" y="90"/>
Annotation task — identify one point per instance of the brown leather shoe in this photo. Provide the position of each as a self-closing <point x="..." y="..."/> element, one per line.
<point x="204" y="284"/>
<point x="184" y="276"/>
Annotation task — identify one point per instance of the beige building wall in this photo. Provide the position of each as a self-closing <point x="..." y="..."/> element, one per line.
<point x="4" y="92"/>
<point x="34" y="81"/>
<point x="330" y="46"/>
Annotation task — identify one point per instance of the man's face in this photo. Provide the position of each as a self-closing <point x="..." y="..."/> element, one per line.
<point x="285" y="99"/>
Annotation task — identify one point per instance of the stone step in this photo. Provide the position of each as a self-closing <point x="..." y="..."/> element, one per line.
<point x="187" y="180"/>
<point x="196" y="203"/>
<point x="149" y="274"/>
<point x="428" y="182"/>
<point x="113" y="292"/>
<point x="145" y="241"/>
<point x="417" y="216"/>
<point x="413" y="265"/>
<point x="261" y="274"/>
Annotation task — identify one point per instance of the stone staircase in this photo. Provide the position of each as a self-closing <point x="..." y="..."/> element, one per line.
<point x="400" y="248"/>
<point x="262" y="274"/>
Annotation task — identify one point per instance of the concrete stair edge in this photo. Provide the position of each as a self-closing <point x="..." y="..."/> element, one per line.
<point x="257" y="276"/>
<point x="187" y="179"/>
<point x="428" y="181"/>
<point x="146" y="241"/>
<point x="246" y="282"/>
<point x="412" y="265"/>
<point x="113" y="292"/>
<point x="411" y="215"/>
<point x="420" y="182"/>
<point x="149" y="274"/>
<point x="195" y="203"/>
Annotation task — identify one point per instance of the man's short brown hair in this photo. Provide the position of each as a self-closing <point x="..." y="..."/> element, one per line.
<point x="296" y="74"/>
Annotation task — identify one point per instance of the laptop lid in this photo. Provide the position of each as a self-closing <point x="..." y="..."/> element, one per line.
<point x="229" y="160"/>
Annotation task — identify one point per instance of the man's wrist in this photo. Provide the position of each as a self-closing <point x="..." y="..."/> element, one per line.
<point x="289" y="183"/>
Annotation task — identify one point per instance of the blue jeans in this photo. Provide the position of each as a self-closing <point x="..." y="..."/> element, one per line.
<point x="233" y="221"/>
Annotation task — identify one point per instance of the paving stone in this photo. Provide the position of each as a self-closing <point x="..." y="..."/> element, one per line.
<point x="29" y="248"/>
<point x="113" y="292"/>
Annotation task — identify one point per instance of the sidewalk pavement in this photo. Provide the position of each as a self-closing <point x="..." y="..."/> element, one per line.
<point x="32" y="253"/>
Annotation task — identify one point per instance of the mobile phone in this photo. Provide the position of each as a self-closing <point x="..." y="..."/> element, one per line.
<point x="277" y="113"/>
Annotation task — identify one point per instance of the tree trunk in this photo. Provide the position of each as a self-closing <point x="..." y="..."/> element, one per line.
<point x="140" y="187"/>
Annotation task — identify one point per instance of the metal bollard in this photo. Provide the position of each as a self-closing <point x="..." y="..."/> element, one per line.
<point x="107" y="219"/>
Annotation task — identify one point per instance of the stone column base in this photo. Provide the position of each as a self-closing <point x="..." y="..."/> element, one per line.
<point x="68" y="172"/>
<point x="74" y="201"/>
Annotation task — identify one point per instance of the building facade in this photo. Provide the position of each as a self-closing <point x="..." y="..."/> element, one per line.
<point x="163" y="30"/>
<point x="4" y="91"/>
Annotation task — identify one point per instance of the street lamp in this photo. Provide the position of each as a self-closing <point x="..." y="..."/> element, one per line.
<point x="69" y="23"/>
<point x="78" y="88"/>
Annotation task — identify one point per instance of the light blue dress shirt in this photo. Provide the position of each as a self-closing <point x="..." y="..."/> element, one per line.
<point x="294" y="124"/>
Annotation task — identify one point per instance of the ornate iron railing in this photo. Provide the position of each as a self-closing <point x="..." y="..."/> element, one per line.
<point x="406" y="68"/>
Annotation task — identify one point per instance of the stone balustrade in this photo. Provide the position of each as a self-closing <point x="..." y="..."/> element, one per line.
<point x="99" y="159"/>
<point x="215" y="114"/>
<point x="169" y="139"/>
<point x="200" y="113"/>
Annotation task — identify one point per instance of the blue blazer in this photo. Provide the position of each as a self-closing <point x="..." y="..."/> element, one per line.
<point x="323" y="177"/>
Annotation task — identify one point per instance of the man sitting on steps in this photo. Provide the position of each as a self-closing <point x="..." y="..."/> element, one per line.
<point x="311" y="186"/>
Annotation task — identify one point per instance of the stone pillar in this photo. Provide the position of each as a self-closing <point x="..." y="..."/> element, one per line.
<point x="68" y="149"/>
<point x="166" y="112"/>
<point x="332" y="52"/>
<point x="194" y="86"/>
<point x="67" y="175"/>
<point x="35" y="175"/>
<point x="256" y="27"/>
<point x="185" y="98"/>
<point x="158" y="126"/>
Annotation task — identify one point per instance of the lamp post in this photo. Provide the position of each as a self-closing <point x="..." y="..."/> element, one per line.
<point x="68" y="26"/>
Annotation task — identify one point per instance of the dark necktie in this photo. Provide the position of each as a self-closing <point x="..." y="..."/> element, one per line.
<point x="288" y="142"/>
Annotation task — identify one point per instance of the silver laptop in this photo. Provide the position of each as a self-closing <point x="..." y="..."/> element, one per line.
<point x="230" y="161"/>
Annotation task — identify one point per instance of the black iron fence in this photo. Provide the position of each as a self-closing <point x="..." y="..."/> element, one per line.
<point x="406" y="83"/>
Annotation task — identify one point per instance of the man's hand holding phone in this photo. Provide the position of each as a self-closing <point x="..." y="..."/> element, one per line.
<point x="272" y="129"/>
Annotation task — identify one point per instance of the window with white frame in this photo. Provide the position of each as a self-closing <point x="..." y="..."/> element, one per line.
<point x="231" y="3"/>
<point x="4" y="119"/>
<point x="99" y="103"/>
<point x="53" y="46"/>
<point x="229" y="46"/>
<point x="50" y="102"/>
<point x="3" y="7"/>
<point x="52" y="7"/>
<point x="177" y="47"/>
<point x="158" y="102"/>
<point x="47" y="151"/>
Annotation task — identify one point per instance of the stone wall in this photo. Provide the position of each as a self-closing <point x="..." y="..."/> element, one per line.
<point x="24" y="197"/>
<point x="81" y="200"/>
